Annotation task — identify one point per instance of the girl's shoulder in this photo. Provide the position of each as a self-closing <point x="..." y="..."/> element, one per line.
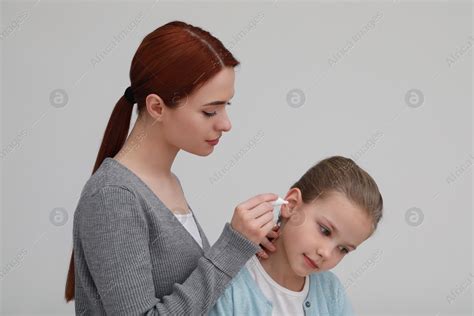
<point x="327" y="289"/>
<point x="242" y="296"/>
<point x="327" y="283"/>
<point x="327" y="280"/>
<point x="327" y="277"/>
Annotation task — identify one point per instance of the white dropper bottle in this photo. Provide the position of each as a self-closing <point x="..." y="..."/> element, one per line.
<point x="278" y="202"/>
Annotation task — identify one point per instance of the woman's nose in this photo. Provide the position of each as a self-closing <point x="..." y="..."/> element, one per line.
<point x="224" y="123"/>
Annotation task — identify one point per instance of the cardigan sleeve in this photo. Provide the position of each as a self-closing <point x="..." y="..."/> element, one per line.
<point x="114" y="237"/>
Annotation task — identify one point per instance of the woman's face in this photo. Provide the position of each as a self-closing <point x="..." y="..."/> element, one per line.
<point x="323" y="230"/>
<point x="201" y="117"/>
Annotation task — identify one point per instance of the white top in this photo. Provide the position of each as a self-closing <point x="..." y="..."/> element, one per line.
<point x="188" y="222"/>
<point x="284" y="301"/>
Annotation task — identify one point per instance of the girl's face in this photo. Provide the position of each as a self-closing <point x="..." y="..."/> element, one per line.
<point x="323" y="231"/>
<point x="201" y="117"/>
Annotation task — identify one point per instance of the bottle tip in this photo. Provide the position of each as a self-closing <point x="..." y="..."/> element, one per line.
<point x="279" y="201"/>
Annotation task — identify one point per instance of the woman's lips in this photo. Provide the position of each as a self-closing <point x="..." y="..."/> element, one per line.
<point x="213" y="142"/>
<point x="310" y="262"/>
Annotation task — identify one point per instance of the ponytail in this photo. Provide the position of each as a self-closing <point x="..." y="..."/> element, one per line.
<point x="116" y="131"/>
<point x="115" y="135"/>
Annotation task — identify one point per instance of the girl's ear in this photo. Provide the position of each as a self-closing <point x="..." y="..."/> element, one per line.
<point x="294" y="199"/>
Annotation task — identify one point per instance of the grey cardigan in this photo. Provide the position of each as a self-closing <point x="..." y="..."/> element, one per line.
<point x="132" y="256"/>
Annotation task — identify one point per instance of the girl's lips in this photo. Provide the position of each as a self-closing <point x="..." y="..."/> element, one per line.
<point x="310" y="262"/>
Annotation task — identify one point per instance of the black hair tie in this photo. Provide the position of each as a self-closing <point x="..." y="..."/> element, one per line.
<point x="129" y="95"/>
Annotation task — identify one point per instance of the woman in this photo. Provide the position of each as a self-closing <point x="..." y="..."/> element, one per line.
<point x="137" y="247"/>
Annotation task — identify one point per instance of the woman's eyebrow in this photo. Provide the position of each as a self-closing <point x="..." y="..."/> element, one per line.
<point x="216" y="103"/>
<point x="219" y="102"/>
<point x="334" y="228"/>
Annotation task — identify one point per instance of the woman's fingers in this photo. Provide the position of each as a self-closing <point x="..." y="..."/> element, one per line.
<point x="258" y="199"/>
<point x="261" y="209"/>
<point x="272" y="234"/>
<point x="264" y="220"/>
<point x="267" y="245"/>
<point x="254" y="218"/>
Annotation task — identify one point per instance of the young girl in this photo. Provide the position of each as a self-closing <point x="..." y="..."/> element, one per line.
<point x="332" y="209"/>
<point x="137" y="246"/>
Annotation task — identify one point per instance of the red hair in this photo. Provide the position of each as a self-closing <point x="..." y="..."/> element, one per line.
<point x="172" y="62"/>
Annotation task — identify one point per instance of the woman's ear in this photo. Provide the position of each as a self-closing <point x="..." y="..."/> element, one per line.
<point x="155" y="107"/>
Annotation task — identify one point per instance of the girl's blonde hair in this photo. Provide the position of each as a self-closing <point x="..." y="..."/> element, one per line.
<point x="342" y="175"/>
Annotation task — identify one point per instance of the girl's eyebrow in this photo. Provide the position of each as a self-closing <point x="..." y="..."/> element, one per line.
<point x="337" y="231"/>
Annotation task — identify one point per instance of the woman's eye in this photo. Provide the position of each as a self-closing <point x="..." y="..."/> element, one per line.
<point x="208" y="114"/>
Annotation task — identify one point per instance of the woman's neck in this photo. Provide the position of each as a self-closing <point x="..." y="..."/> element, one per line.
<point x="146" y="152"/>
<point x="279" y="269"/>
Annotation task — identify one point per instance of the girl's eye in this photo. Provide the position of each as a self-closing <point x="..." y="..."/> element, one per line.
<point x="327" y="232"/>
<point x="344" y="250"/>
<point x="209" y="114"/>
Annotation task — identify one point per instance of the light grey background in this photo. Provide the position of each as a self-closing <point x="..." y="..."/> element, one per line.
<point x="355" y="77"/>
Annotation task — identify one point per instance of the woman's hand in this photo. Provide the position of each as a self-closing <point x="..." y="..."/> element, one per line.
<point x="267" y="243"/>
<point x="254" y="217"/>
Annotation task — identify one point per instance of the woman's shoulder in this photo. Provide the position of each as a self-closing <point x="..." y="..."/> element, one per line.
<point x="109" y="192"/>
<point x="110" y="174"/>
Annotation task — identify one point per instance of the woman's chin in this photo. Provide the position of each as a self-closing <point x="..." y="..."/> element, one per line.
<point x="200" y="152"/>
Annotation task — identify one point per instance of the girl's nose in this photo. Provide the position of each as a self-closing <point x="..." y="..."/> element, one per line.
<point x="324" y="251"/>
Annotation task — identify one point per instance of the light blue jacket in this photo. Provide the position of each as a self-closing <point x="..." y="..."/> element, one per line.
<point x="326" y="297"/>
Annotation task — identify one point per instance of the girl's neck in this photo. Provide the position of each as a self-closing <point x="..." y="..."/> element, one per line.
<point x="279" y="269"/>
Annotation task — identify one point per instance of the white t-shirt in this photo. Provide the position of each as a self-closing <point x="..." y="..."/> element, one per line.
<point x="285" y="302"/>
<point x="188" y="222"/>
